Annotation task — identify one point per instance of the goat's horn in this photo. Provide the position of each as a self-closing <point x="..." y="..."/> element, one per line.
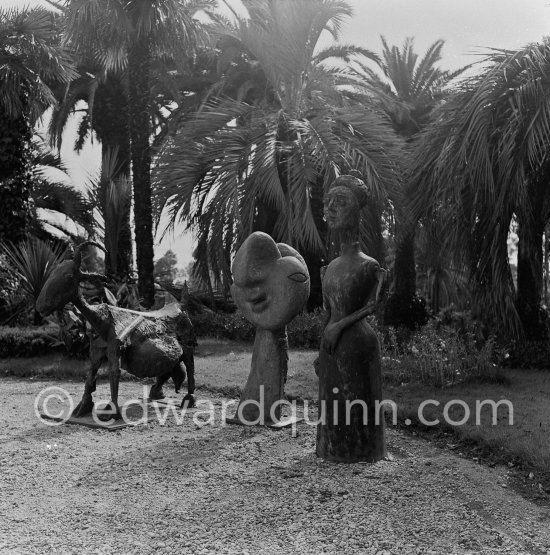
<point x="77" y="258"/>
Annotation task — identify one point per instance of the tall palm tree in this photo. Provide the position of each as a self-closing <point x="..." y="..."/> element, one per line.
<point x="127" y="35"/>
<point x="408" y="88"/>
<point x="101" y="97"/>
<point x="262" y="159"/>
<point x="32" y="61"/>
<point x="485" y="162"/>
<point x="102" y="100"/>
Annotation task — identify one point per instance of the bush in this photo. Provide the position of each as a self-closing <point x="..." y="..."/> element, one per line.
<point x="32" y="263"/>
<point x="25" y="342"/>
<point x="410" y="312"/>
<point x="439" y="356"/>
<point x="226" y="326"/>
<point x="304" y="331"/>
<point x="529" y="354"/>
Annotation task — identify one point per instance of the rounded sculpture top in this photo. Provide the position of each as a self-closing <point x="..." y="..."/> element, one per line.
<point x="270" y="281"/>
<point x="343" y="202"/>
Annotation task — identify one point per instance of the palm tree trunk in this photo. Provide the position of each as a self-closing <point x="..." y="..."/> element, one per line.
<point x="530" y="273"/>
<point x="140" y="133"/>
<point x="546" y="266"/>
<point x="405" y="271"/>
<point x="111" y="123"/>
<point x="404" y="307"/>
<point x="315" y="260"/>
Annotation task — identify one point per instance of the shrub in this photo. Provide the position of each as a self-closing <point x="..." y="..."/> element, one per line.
<point x="25" y="342"/>
<point x="31" y="262"/>
<point x="439" y="356"/>
<point x="304" y="331"/>
<point x="227" y="326"/>
<point x="529" y="354"/>
<point x="69" y="330"/>
<point x="410" y="312"/>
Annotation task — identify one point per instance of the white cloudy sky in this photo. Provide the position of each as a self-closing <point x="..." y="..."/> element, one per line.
<point x="467" y="26"/>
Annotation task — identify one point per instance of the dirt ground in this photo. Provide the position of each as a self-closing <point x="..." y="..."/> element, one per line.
<point x="196" y="486"/>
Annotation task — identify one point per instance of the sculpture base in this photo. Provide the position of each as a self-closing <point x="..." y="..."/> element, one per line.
<point x="133" y="419"/>
<point x="89" y="422"/>
<point x="283" y="423"/>
<point x="162" y="402"/>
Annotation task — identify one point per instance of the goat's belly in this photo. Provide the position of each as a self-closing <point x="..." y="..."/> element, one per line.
<point x="151" y="357"/>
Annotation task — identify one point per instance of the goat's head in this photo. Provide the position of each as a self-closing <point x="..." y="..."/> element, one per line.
<point x="62" y="285"/>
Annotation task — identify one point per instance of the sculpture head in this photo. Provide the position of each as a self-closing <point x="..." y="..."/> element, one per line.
<point x="62" y="285"/>
<point x="271" y="281"/>
<point x="343" y="202"/>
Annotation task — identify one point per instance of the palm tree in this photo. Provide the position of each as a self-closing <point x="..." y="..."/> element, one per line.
<point x="101" y="97"/>
<point x="60" y="210"/>
<point x="32" y="62"/>
<point x="485" y="162"/>
<point x="262" y="159"/>
<point x="127" y="35"/>
<point x="408" y="88"/>
<point x="102" y="100"/>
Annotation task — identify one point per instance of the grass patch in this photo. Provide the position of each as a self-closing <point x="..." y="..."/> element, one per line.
<point x="52" y="366"/>
<point x="524" y="443"/>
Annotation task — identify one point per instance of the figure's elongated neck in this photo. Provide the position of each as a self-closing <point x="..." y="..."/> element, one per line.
<point x="349" y="248"/>
<point x="91" y="314"/>
<point x="347" y="239"/>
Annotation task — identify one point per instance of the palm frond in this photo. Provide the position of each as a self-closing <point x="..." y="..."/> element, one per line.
<point x="33" y="261"/>
<point x="31" y="60"/>
<point x="479" y="156"/>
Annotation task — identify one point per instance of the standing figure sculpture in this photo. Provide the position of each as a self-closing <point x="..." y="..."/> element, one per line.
<point x="271" y="286"/>
<point x="350" y="380"/>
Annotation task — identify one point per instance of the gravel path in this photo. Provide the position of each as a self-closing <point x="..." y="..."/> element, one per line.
<point x="198" y="488"/>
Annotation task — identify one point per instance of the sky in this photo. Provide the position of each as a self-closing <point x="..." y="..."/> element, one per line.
<point x="468" y="27"/>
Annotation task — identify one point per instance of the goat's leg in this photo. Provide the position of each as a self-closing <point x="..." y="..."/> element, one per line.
<point x="113" y="356"/>
<point x="156" y="390"/>
<point x="178" y="376"/>
<point x="188" y="358"/>
<point x="86" y="405"/>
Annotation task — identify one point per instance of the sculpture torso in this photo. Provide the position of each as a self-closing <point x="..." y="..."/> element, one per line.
<point x="348" y="282"/>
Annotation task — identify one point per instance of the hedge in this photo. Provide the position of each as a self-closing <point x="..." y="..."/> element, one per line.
<point x="25" y="342"/>
<point x="303" y="332"/>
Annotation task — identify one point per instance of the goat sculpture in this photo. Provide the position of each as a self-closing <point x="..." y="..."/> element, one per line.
<point x="146" y="344"/>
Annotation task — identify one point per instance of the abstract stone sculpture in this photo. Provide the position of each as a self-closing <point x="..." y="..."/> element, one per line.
<point x="350" y="381"/>
<point x="146" y="344"/>
<point x="271" y="286"/>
